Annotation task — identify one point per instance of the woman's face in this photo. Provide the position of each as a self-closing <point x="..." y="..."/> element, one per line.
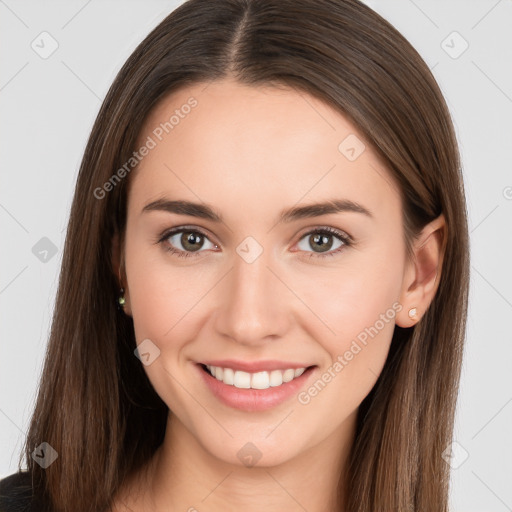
<point x="259" y="291"/>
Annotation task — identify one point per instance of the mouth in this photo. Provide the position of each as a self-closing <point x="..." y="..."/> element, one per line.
<point x="256" y="380"/>
<point x="256" y="390"/>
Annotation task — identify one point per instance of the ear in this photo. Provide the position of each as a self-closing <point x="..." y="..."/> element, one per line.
<point x="117" y="262"/>
<point x="422" y="273"/>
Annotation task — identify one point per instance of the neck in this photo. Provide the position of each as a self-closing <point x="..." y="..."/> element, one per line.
<point x="182" y="475"/>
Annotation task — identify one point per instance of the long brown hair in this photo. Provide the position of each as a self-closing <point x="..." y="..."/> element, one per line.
<point x="94" y="397"/>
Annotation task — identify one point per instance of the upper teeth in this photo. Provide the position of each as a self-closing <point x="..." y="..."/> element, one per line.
<point x="258" y="380"/>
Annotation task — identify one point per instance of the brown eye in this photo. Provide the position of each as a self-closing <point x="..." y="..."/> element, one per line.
<point x="186" y="241"/>
<point x="191" y="241"/>
<point x="323" y="240"/>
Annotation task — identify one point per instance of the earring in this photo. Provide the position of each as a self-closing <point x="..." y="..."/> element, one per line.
<point x="121" y="300"/>
<point x="412" y="313"/>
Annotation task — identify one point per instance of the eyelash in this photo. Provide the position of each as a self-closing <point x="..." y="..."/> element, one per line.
<point x="343" y="237"/>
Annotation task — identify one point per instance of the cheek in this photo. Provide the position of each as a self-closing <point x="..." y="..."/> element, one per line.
<point x="357" y="303"/>
<point x="160" y="296"/>
<point x="164" y="303"/>
<point x="358" y="291"/>
<point x="363" y="319"/>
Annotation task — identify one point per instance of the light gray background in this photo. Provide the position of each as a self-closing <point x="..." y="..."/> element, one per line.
<point x="47" y="110"/>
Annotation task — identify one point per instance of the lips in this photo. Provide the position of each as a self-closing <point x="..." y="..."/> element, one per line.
<point x="254" y="386"/>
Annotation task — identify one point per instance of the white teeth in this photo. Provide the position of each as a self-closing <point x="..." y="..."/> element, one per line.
<point x="229" y="376"/>
<point x="276" y="378"/>
<point x="258" y="380"/>
<point x="242" y="380"/>
<point x="288" y="375"/>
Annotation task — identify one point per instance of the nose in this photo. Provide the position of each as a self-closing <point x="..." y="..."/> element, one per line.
<point x="254" y="306"/>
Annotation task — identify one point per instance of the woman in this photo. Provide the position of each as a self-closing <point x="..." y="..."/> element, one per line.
<point x="265" y="275"/>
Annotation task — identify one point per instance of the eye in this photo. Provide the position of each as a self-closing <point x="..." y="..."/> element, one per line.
<point x="189" y="242"/>
<point x="328" y="241"/>
<point x="185" y="242"/>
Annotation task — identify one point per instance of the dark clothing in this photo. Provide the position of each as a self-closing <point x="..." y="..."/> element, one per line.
<point x="16" y="494"/>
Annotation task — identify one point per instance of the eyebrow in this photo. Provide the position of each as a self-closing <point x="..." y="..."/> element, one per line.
<point x="204" y="211"/>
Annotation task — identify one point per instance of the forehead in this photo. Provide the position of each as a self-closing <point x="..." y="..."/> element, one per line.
<point x="225" y="142"/>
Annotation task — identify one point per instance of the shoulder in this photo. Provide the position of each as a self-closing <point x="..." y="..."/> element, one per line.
<point x="16" y="493"/>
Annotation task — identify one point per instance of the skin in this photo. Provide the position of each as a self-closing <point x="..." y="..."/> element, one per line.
<point x="250" y="152"/>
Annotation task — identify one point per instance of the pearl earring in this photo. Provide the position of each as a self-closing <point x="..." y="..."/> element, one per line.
<point x="412" y="313"/>
<point x="121" y="301"/>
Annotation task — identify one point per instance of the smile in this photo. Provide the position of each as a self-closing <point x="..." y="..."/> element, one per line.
<point x="254" y="386"/>
<point x="259" y="380"/>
